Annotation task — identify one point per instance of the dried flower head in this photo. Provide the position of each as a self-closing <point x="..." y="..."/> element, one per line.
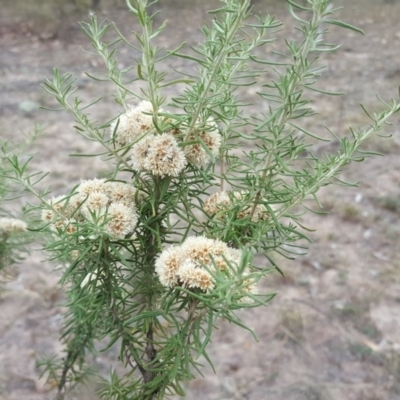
<point x="70" y="226"/>
<point x="62" y="208"/>
<point x="133" y="124"/>
<point x="99" y="203"/>
<point x="140" y="151"/>
<point x="249" y="286"/>
<point x="230" y="257"/>
<point x="75" y="202"/>
<point x="211" y="138"/>
<point x="194" y="276"/>
<point x="120" y="192"/>
<point x="58" y="204"/>
<point x="158" y="154"/>
<point x="91" y="185"/>
<point x="122" y="220"/>
<point x="94" y="203"/>
<point x="200" y="249"/>
<point x="8" y="226"/>
<point x="57" y="214"/>
<point x="64" y="225"/>
<point x="47" y="215"/>
<point x="165" y="157"/>
<point x="167" y="265"/>
<point x="189" y="264"/>
<point x="218" y="203"/>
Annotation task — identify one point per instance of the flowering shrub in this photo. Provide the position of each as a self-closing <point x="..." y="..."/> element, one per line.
<point x="165" y="245"/>
<point x="105" y="207"/>
<point x="10" y="228"/>
<point x="13" y="237"/>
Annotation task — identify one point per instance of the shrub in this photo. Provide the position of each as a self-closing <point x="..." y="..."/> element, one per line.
<point x="201" y="193"/>
<point x="13" y="231"/>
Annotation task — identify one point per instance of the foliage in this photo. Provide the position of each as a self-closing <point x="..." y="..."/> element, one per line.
<point x="14" y="237"/>
<point x="202" y="191"/>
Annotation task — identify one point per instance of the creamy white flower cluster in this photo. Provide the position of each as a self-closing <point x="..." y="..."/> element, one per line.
<point x="132" y="125"/>
<point x="218" y="203"/>
<point x="9" y="226"/>
<point x="188" y="265"/>
<point x="210" y="136"/>
<point x="99" y="202"/>
<point x="160" y="154"/>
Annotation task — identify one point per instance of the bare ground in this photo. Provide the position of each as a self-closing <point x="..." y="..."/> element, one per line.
<point x="333" y="331"/>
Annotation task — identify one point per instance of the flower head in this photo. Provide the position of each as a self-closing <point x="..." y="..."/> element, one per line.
<point x="194" y="276"/>
<point x="61" y="207"/>
<point x="217" y="202"/>
<point x="167" y="266"/>
<point x="249" y="286"/>
<point x="9" y="226"/>
<point x="104" y="205"/>
<point x="94" y="203"/>
<point x="191" y="264"/>
<point x="47" y="215"/>
<point x="91" y="185"/>
<point x="133" y="124"/>
<point x="220" y="202"/>
<point x="58" y="203"/>
<point x="67" y="226"/>
<point x="159" y="155"/>
<point x="140" y="152"/>
<point x="120" y="192"/>
<point x="201" y="249"/>
<point x="122" y="220"/>
<point x="208" y="136"/>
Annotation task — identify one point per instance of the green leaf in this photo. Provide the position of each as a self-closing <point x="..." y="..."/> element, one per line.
<point x="176" y="81"/>
<point x="139" y="72"/>
<point x="292" y="3"/>
<point x="187" y="57"/>
<point x="314" y="89"/>
<point x="344" y="25"/>
<point x="143" y="315"/>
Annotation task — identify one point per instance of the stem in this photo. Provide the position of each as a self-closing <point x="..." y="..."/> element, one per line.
<point x="152" y="249"/>
<point x="126" y="337"/>
<point x="110" y="63"/>
<point x="222" y="180"/>
<point x="148" y="63"/>
<point x="215" y="69"/>
<point x="340" y="160"/>
<point x="297" y="73"/>
<point x="72" y="356"/>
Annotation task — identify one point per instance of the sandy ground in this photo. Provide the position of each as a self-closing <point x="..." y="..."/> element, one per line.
<point x="333" y="331"/>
